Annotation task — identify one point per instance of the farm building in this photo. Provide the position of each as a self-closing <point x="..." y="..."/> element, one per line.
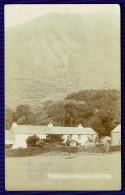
<point x="105" y="139"/>
<point x="116" y="136"/>
<point x="78" y="134"/>
<point x="9" y="138"/>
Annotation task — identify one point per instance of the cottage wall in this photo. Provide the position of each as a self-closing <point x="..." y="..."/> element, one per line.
<point x="65" y="137"/>
<point x="116" y="138"/>
<point x="9" y="142"/>
<point x="41" y="136"/>
<point x="82" y="139"/>
<point x="20" y="140"/>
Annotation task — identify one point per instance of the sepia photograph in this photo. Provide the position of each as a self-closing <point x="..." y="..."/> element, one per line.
<point x="62" y="97"/>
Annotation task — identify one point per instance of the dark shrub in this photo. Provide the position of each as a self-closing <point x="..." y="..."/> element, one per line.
<point x="67" y="142"/>
<point x="115" y="148"/>
<point x="32" y="140"/>
<point x="8" y="146"/>
<point x="22" y="152"/>
<point x="41" y="143"/>
<point x="70" y="142"/>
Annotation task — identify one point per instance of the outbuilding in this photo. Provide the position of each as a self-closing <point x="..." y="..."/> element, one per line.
<point x="9" y="139"/>
<point x="116" y="136"/>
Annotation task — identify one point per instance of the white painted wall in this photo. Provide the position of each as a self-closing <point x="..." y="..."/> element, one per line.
<point x="20" y="140"/>
<point x="75" y="137"/>
<point x="41" y="136"/>
<point x="116" y="138"/>
<point x="65" y="137"/>
<point x="82" y="139"/>
<point x="9" y="142"/>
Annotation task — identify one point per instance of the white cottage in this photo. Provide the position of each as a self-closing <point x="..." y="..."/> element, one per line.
<point x="78" y="134"/>
<point x="116" y="136"/>
<point x="22" y="132"/>
<point x="9" y="138"/>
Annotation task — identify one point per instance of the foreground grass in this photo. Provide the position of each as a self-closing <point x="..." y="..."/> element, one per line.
<point x="34" y="172"/>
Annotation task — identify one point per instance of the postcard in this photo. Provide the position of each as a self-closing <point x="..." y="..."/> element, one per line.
<point x="62" y="97"/>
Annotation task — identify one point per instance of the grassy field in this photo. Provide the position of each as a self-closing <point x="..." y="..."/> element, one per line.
<point x="64" y="171"/>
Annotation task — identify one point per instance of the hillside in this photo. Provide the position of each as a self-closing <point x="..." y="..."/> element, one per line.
<point x="54" y="55"/>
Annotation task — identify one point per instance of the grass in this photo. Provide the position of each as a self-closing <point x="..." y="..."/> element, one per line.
<point x="33" y="172"/>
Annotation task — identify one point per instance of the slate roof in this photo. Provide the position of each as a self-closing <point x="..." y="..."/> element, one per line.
<point x="29" y="129"/>
<point x="72" y="130"/>
<point x="117" y="129"/>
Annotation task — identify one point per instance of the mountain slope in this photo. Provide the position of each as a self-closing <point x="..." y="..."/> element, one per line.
<point x="53" y="55"/>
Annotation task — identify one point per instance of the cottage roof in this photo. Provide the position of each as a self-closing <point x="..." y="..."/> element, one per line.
<point x="117" y="129"/>
<point x="72" y="130"/>
<point x="29" y="129"/>
<point x="9" y="135"/>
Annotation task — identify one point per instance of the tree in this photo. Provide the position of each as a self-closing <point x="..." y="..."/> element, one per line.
<point x="99" y="109"/>
<point x="102" y="111"/>
<point x="9" y="114"/>
<point x="23" y="115"/>
<point x="41" y="143"/>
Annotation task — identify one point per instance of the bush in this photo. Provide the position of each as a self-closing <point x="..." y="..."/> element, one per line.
<point x="8" y="146"/>
<point x="70" y="142"/>
<point x="67" y="142"/>
<point x="32" y="140"/>
<point x="115" y="148"/>
<point x="23" y="152"/>
<point x="40" y="143"/>
<point x="31" y="151"/>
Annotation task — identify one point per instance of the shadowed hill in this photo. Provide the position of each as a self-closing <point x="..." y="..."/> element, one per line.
<point x="56" y="54"/>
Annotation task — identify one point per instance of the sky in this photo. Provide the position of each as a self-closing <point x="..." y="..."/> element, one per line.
<point x="19" y="13"/>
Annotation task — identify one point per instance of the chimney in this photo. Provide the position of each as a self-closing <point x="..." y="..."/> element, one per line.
<point x="14" y="125"/>
<point x="50" y="125"/>
<point x="80" y="126"/>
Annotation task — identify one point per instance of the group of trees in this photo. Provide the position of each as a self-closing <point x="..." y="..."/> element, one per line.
<point x="22" y="115"/>
<point x="99" y="109"/>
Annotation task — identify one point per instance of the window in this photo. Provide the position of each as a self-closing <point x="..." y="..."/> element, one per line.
<point x="79" y="136"/>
